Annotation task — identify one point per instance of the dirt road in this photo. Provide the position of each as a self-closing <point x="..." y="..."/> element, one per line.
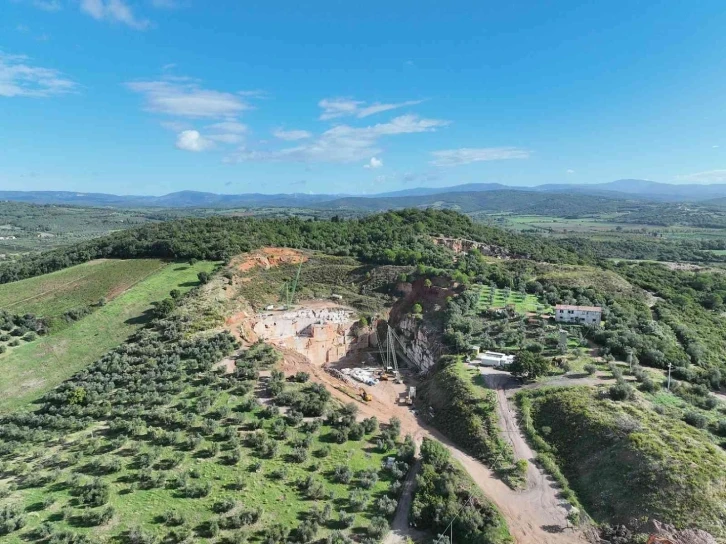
<point x="534" y="516"/>
<point x="541" y="488"/>
<point x="400" y="528"/>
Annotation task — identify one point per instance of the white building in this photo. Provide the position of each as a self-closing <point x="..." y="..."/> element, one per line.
<point x="565" y="313"/>
<point x="492" y="358"/>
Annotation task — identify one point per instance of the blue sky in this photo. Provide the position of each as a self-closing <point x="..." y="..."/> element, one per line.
<point x="154" y="96"/>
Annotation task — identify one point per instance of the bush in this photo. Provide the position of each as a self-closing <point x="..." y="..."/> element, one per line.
<point x="378" y="527"/>
<point x="342" y="474"/>
<point x="695" y="419"/>
<point x="590" y="369"/>
<point x="346" y="519"/>
<point x="223" y="505"/>
<point x="386" y="506"/>
<point x="621" y="391"/>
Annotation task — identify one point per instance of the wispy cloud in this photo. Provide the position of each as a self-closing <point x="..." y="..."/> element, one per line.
<point x="291" y="135"/>
<point x="192" y="140"/>
<point x="466" y="155"/>
<point x="343" y="143"/>
<point x="168" y="4"/>
<point x="334" y="108"/>
<point x="570" y="171"/>
<point x="232" y="126"/>
<point x="373" y="163"/>
<point x="18" y="77"/>
<point x="116" y="11"/>
<point x="710" y="176"/>
<point x="45" y="5"/>
<point x="184" y="98"/>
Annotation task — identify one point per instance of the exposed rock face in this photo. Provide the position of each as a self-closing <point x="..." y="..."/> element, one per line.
<point x="322" y="335"/>
<point x="687" y="536"/>
<point x="421" y="344"/>
<point x="462" y="245"/>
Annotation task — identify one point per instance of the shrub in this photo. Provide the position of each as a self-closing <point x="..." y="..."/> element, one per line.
<point x="695" y="419"/>
<point x="378" y="527"/>
<point x="621" y="391"/>
<point x="342" y="474"/>
<point x="173" y="518"/>
<point x="590" y="369"/>
<point x="223" y="505"/>
<point x="386" y="506"/>
<point x="346" y="519"/>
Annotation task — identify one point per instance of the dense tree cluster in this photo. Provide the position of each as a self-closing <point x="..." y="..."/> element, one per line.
<point x="444" y="493"/>
<point x="391" y="238"/>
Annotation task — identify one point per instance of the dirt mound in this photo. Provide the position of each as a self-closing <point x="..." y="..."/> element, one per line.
<point x="268" y="257"/>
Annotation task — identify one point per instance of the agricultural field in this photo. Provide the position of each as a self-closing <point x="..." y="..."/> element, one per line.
<point x="172" y="451"/>
<point x="493" y="298"/>
<point x="78" y="288"/>
<point x="30" y="228"/>
<point x="602" y="227"/>
<point x="31" y="369"/>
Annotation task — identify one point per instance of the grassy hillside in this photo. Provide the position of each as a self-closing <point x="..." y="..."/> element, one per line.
<point x="32" y="369"/>
<point x="51" y="295"/>
<point x="466" y="413"/>
<point x="445" y="492"/>
<point x="627" y="462"/>
<point x="150" y="444"/>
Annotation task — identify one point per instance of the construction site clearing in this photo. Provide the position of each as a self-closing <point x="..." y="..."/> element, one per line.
<point x="327" y="335"/>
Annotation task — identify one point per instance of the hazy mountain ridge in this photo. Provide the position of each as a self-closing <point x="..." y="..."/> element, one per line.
<point x="624" y="189"/>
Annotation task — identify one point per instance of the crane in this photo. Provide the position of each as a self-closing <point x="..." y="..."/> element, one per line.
<point x="288" y="291"/>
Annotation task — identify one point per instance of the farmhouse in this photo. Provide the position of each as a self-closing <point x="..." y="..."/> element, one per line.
<point x="492" y="358"/>
<point x="565" y="313"/>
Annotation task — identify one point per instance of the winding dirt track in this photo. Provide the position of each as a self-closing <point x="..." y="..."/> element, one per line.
<point x="534" y="515"/>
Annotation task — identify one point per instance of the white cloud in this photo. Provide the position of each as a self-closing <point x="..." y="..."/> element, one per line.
<point x="19" y="78"/>
<point x="47" y="5"/>
<point x="166" y="4"/>
<point x="373" y="163"/>
<point x="715" y="146"/>
<point x="570" y="171"/>
<point x="346" y="107"/>
<point x="191" y="140"/>
<point x="343" y="143"/>
<point x="711" y="176"/>
<point x="116" y="11"/>
<point x="291" y="135"/>
<point x="230" y="125"/>
<point x="183" y="98"/>
<point x="466" y="155"/>
<point x="226" y="138"/>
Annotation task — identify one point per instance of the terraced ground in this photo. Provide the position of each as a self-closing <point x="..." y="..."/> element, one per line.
<point x="523" y="303"/>
<point x="51" y="295"/>
<point x="29" y="370"/>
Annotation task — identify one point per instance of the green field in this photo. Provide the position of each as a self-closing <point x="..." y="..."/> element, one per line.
<point x="523" y="303"/>
<point x="51" y="295"/>
<point x="270" y="484"/>
<point x="171" y="435"/>
<point x="31" y="369"/>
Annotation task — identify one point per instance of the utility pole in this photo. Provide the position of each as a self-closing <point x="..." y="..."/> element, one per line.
<point x="669" y="376"/>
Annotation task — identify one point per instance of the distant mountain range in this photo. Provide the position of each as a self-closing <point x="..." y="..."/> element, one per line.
<point x="624" y="189"/>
